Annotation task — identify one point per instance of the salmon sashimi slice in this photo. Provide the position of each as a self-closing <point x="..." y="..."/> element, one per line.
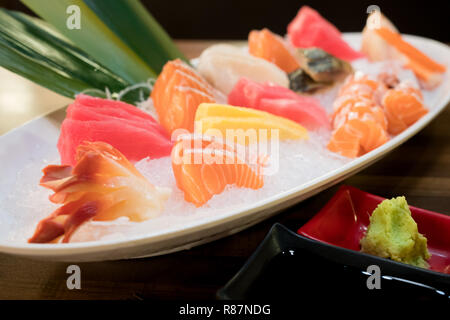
<point x="371" y="132"/>
<point x="359" y="122"/>
<point x="357" y="137"/>
<point x="349" y="101"/>
<point x="403" y="106"/>
<point x="204" y="166"/>
<point x="426" y="69"/>
<point x="103" y="185"/>
<point x="361" y="85"/>
<point x="361" y="111"/>
<point x="271" y="47"/>
<point x="345" y="142"/>
<point x="360" y="98"/>
<point x="177" y="93"/>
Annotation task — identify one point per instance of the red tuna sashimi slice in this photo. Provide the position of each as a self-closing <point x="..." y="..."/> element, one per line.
<point x="77" y="111"/>
<point x="279" y="101"/>
<point x="114" y="112"/>
<point x="305" y="113"/>
<point x="134" y="142"/>
<point x="105" y="104"/>
<point x="248" y="93"/>
<point x="310" y="29"/>
<point x="133" y="132"/>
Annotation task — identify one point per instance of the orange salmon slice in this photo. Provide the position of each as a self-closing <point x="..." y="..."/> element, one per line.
<point x="177" y="93"/>
<point x="205" y="166"/>
<point x="271" y="47"/>
<point x="360" y="124"/>
<point x="403" y="107"/>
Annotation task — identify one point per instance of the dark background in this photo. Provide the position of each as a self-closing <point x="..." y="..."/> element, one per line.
<point x="232" y="19"/>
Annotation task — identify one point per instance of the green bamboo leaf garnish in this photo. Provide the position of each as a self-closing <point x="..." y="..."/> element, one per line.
<point x="33" y="49"/>
<point x="95" y="38"/>
<point x="135" y="26"/>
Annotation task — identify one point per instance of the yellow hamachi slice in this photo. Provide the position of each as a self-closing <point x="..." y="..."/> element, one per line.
<point x="232" y="123"/>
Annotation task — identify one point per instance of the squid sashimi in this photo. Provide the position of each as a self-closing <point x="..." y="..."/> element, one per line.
<point x="310" y="29"/>
<point x="403" y="106"/>
<point x="203" y="166"/>
<point x="271" y="47"/>
<point x="103" y="185"/>
<point x="279" y="101"/>
<point x="223" y="65"/>
<point x="382" y="41"/>
<point x="245" y="124"/>
<point x="113" y="122"/>
<point x="359" y="122"/>
<point x="177" y="92"/>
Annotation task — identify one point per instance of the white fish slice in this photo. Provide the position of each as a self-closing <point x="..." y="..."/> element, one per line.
<point x="223" y="65"/>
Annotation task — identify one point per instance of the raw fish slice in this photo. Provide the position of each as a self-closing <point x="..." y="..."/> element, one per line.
<point x="359" y="123"/>
<point x="403" y="107"/>
<point x="245" y="124"/>
<point x="357" y="137"/>
<point x="310" y="29"/>
<point x="177" y="93"/>
<point x="81" y="113"/>
<point x="307" y="114"/>
<point x="371" y="132"/>
<point x="301" y="82"/>
<point x="103" y="185"/>
<point x="77" y="112"/>
<point x="248" y="93"/>
<point x="115" y="109"/>
<point x="223" y="65"/>
<point x="361" y="85"/>
<point x="137" y="143"/>
<point x="132" y="131"/>
<point x="348" y="101"/>
<point x="345" y="142"/>
<point x="279" y="101"/>
<point x="321" y="66"/>
<point x="111" y="106"/>
<point x="360" y="111"/>
<point x="271" y="47"/>
<point x="200" y="181"/>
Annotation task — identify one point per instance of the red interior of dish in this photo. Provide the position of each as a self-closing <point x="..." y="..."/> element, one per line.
<point x="344" y="219"/>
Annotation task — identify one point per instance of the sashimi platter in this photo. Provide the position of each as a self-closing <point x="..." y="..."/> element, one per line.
<point x="219" y="143"/>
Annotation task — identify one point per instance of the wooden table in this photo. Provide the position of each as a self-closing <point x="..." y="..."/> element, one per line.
<point x="420" y="170"/>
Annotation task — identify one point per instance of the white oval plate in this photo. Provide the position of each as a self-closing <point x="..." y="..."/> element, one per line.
<point x="15" y="149"/>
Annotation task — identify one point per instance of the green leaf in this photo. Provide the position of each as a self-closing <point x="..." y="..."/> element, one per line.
<point x="94" y="37"/>
<point x="18" y="63"/>
<point x="135" y="26"/>
<point x="33" y="49"/>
